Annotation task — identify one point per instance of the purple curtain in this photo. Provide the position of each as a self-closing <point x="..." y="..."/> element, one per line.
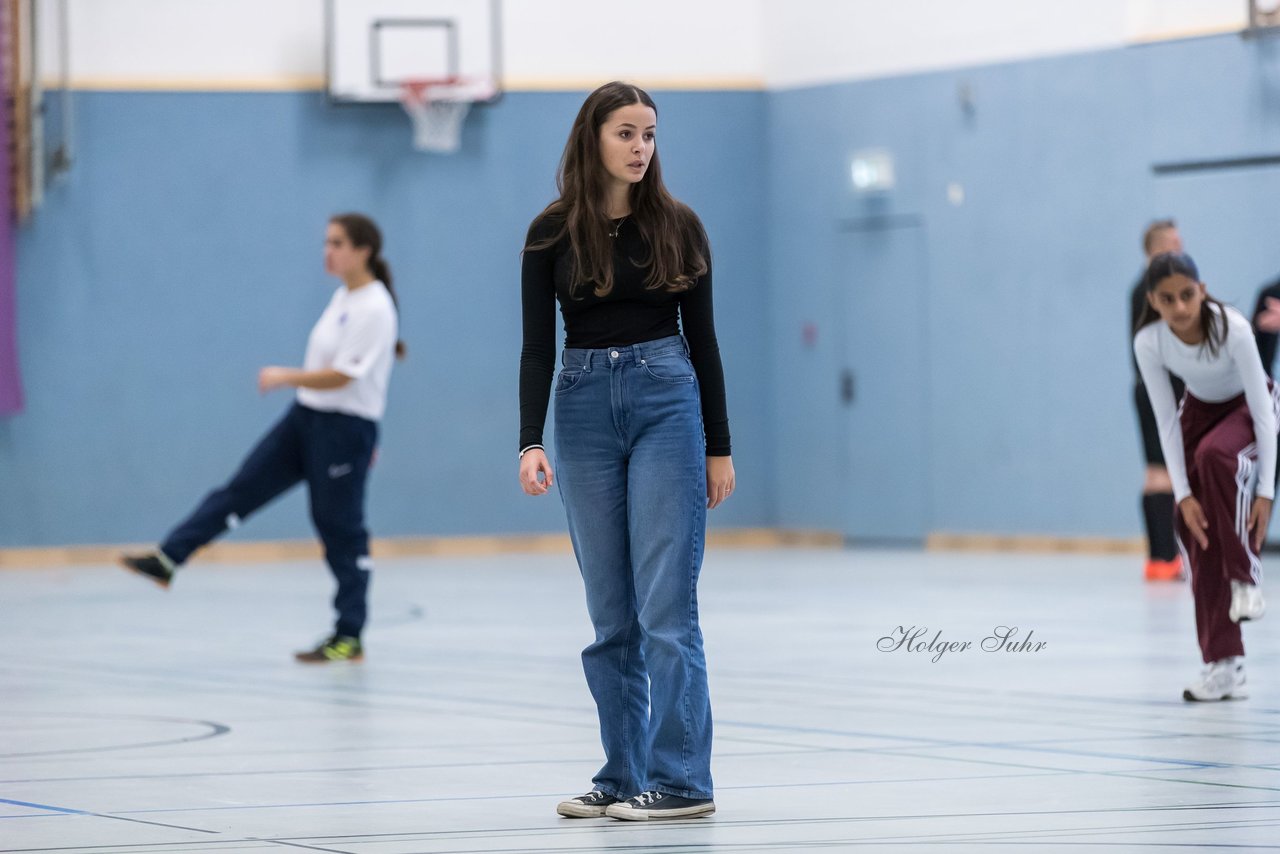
<point x="10" y="382"/>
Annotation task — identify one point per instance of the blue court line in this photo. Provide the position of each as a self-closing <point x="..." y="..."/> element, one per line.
<point x="48" y="810"/>
<point x="46" y="807"/>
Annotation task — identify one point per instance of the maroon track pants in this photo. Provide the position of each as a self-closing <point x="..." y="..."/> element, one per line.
<point x="1222" y="464"/>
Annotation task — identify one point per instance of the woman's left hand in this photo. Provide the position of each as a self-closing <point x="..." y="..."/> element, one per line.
<point x="273" y="377"/>
<point x="1259" y="518"/>
<point x="720" y="480"/>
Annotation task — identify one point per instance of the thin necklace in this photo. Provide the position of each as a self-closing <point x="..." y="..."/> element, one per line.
<point x="618" y="226"/>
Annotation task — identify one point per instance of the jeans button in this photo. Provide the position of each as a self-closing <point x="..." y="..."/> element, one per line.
<point x="614" y="354"/>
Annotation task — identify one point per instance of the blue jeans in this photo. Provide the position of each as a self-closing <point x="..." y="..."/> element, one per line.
<point x="631" y="466"/>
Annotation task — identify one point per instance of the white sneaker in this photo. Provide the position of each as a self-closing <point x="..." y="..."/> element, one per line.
<point x="1246" y="602"/>
<point x="1221" y="680"/>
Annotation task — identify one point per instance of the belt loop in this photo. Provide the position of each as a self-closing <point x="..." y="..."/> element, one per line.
<point x="588" y="356"/>
<point x="637" y="353"/>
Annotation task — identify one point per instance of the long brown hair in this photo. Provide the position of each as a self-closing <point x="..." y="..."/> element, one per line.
<point x="363" y="233"/>
<point x="672" y="232"/>
<point x="1166" y="265"/>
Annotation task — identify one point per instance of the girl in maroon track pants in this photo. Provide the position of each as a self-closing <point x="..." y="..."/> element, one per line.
<point x="1220" y="447"/>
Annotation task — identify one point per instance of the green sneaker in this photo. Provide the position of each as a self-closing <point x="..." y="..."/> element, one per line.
<point x="153" y="566"/>
<point x="336" y="648"/>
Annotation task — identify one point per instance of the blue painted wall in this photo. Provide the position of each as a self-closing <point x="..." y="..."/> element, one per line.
<point x="1029" y="381"/>
<point x="183" y="252"/>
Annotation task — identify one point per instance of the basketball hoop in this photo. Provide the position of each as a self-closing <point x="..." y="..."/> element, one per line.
<point x="438" y="108"/>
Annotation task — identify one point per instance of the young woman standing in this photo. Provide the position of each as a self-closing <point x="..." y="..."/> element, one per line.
<point x="1220" y="448"/>
<point x="641" y="445"/>
<point x="327" y="438"/>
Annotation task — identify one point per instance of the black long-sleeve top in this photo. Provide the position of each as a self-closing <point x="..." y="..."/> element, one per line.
<point x="629" y="314"/>
<point x="1266" y="340"/>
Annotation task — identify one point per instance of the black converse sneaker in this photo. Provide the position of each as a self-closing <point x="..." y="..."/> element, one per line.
<point x="155" y="566"/>
<point x="648" y="806"/>
<point x="590" y="805"/>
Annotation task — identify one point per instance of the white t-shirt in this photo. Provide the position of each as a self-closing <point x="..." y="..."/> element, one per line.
<point x="355" y="336"/>
<point x="1213" y="379"/>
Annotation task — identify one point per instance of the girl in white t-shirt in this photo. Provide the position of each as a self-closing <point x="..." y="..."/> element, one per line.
<point x="327" y="438"/>
<point x="1220" y="448"/>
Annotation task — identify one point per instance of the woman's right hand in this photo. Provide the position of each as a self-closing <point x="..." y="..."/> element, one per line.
<point x="1193" y="516"/>
<point x="532" y="463"/>
<point x="1268" y="320"/>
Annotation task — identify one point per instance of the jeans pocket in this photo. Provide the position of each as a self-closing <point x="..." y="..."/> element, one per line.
<point x="567" y="380"/>
<point x="672" y="367"/>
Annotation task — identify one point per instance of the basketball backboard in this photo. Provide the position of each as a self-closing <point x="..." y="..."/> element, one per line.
<point x="375" y="47"/>
<point x="1264" y="15"/>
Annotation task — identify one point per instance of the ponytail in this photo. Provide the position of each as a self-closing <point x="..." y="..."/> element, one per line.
<point x="380" y="268"/>
<point x="363" y="233"/>
<point x="1213" y="325"/>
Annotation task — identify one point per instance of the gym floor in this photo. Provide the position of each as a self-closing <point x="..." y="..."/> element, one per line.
<point x="136" y="720"/>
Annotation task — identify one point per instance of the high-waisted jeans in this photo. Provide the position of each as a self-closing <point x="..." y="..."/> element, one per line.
<point x="631" y="467"/>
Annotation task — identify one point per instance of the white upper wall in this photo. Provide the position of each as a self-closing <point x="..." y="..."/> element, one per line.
<point x="573" y="44"/>
<point x="678" y="41"/>
<point x="280" y="43"/>
<point x="824" y="41"/>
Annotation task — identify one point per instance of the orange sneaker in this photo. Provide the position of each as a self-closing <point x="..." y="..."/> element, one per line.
<point x="1165" y="570"/>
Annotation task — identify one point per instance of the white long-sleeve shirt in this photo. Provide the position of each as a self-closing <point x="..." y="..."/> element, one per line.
<point x="1213" y="379"/>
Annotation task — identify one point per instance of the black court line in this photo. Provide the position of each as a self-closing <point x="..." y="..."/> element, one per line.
<point x="979" y="705"/>
<point x="1223" y="736"/>
<point x="893" y="781"/>
<point x="56" y="810"/>
<point x="790" y="845"/>
<point x="921" y="741"/>
<point x="304" y="847"/>
<point x="619" y="827"/>
<point x="967" y="838"/>
<point x="487" y="703"/>
<point x="1219" y="165"/>
<point x="192" y="845"/>
<point x="1132" y="775"/>
<point x="984" y="696"/>
<point x="1129" y="736"/>
<point x="358" y="697"/>
<point x="1214" y="846"/>
<point x="215" y="730"/>
<point x="1066" y="833"/>
<point x="1046" y="772"/>
<point x="1135" y="775"/>
<point x="615" y="827"/>
<point x="184" y="775"/>
<point x="1055" y="834"/>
